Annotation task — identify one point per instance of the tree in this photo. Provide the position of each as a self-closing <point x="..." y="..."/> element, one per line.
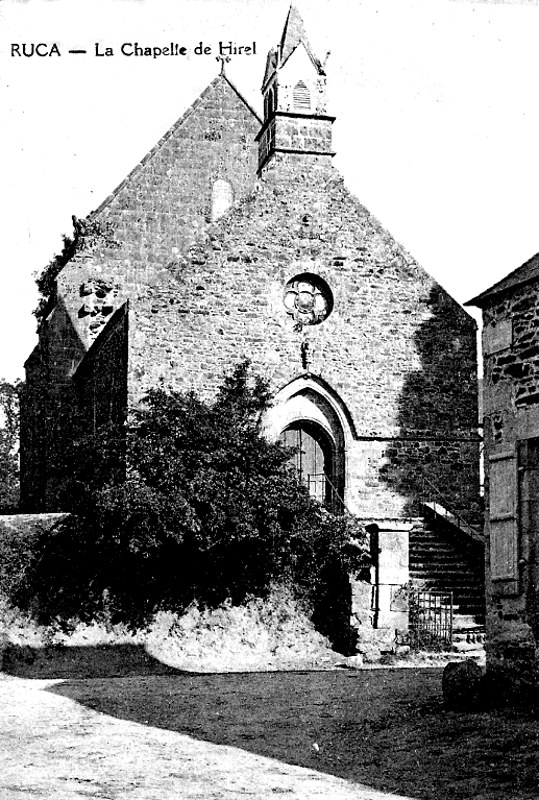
<point x="9" y="445"/>
<point x="209" y="510"/>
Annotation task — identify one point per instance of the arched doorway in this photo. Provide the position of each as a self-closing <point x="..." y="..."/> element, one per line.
<point x="314" y="460"/>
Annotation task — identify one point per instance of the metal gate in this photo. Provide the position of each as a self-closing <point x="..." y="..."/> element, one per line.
<point x="430" y="620"/>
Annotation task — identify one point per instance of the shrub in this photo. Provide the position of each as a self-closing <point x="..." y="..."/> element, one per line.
<point x="210" y="510"/>
<point x="9" y="445"/>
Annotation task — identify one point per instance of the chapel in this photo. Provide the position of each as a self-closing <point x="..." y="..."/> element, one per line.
<point x="235" y="237"/>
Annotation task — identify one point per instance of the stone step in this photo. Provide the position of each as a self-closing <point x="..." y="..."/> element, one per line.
<point x="418" y="554"/>
<point x="429" y="539"/>
<point x="469" y="638"/>
<point x="440" y="583"/>
<point x="467" y="647"/>
<point x="466" y="622"/>
<point x="432" y="544"/>
<point x="463" y="580"/>
<point x="437" y="562"/>
<point x="440" y="569"/>
<point x="442" y="565"/>
<point x="416" y="547"/>
<point x="435" y="549"/>
<point x="473" y="606"/>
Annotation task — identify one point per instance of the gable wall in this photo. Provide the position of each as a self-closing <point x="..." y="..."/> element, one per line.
<point x="398" y="351"/>
<point x="165" y="203"/>
<point x="148" y="222"/>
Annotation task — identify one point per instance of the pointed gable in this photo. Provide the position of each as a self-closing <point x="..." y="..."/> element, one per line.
<point x="213" y="139"/>
<point x="205" y="163"/>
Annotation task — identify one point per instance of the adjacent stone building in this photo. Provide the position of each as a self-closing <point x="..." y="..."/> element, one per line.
<point x="235" y="238"/>
<point x="511" y="433"/>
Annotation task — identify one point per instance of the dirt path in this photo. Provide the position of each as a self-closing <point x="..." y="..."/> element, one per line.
<point x="346" y="734"/>
<point x="53" y="747"/>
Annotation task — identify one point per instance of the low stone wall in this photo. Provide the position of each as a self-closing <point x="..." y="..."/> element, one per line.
<point x="27" y="524"/>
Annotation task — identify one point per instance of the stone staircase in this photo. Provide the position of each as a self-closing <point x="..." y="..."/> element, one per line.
<point x="445" y="557"/>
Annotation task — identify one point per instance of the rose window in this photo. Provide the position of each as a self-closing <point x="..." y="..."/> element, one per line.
<point x="308" y="299"/>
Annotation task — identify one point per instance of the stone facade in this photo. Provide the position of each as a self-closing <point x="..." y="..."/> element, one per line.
<point x="236" y="238"/>
<point x="511" y="434"/>
<point x="125" y="251"/>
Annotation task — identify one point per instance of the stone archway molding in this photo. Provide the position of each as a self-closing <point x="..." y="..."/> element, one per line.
<point x="312" y="400"/>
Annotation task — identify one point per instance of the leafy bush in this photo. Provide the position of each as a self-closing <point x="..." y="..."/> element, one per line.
<point x="9" y="445"/>
<point x="46" y="280"/>
<point x="210" y="510"/>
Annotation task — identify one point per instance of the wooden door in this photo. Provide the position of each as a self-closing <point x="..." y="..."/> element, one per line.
<point x="312" y="459"/>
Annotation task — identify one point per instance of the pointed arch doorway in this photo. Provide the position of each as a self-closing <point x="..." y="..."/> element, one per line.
<point x="308" y="416"/>
<point x="313" y="459"/>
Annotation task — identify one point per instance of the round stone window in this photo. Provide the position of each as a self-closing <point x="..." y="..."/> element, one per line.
<point x="308" y="299"/>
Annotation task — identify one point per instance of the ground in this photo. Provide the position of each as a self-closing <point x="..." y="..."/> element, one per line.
<point x="162" y="733"/>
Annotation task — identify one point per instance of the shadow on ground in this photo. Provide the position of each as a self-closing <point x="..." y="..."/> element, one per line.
<point x="85" y="661"/>
<point x="385" y="728"/>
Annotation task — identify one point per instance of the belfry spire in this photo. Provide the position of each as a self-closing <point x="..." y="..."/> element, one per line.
<point x="293" y="35"/>
<point x="294" y="89"/>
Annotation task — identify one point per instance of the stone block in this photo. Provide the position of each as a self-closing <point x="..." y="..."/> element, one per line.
<point x="461" y="684"/>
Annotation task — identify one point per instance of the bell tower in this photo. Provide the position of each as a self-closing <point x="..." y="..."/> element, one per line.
<point x="294" y="90"/>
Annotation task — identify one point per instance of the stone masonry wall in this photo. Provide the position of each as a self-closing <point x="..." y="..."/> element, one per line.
<point x="166" y="201"/>
<point x="49" y="413"/>
<point x="225" y="301"/>
<point x="398" y="351"/>
<point x="511" y="421"/>
<point x="134" y="237"/>
<point x="512" y="323"/>
<point x="101" y="388"/>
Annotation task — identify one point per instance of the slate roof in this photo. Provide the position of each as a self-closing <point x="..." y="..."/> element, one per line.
<point x="293" y="35"/>
<point x="529" y="271"/>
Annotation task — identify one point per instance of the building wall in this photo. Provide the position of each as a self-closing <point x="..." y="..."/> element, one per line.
<point x="163" y="205"/>
<point x="48" y="414"/>
<point x="127" y="248"/>
<point x="101" y="389"/>
<point x="396" y="352"/>
<point x="511" y="426"/>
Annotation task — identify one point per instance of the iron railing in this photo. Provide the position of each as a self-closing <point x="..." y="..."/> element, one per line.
<point x="326" y="492"/>
<point x="430" y="620"/>
<point x="445" y="509"/>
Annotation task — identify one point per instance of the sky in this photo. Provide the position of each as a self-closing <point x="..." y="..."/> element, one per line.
<point x="437" y="129"/>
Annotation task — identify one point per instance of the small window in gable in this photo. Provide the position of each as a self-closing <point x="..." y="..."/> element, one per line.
<point x="222" y="198"/>
<point x="302" y="97"/>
